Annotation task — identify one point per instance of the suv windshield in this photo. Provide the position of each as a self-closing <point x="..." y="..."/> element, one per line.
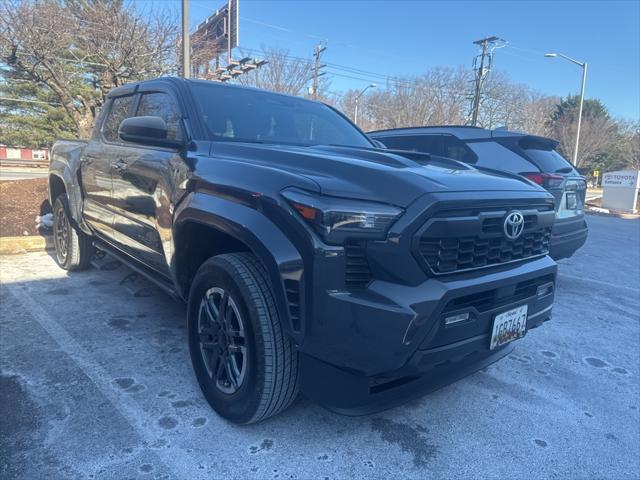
<point x="248" y="115"/>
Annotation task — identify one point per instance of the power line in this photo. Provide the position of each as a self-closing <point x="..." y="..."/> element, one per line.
<point x="20" y="100"/>
<point x="365" y="76"/>
<point x="325" y="38"/>
<point x="62" y="59"/>
<point x="530" y="51"/>
<point x="281" y="28"/>
<point x="337" y="66"/>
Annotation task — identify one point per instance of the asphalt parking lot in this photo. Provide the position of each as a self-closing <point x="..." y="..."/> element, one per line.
<point x="97" y="383"/>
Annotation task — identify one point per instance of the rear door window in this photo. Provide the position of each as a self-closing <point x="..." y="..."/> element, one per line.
<point x="119" y="110"/>
<point x="495" y="156"/>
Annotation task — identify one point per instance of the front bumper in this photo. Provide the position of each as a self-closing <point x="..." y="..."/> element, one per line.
<point x="567" y="236"/>
<point x="371" y="349"/>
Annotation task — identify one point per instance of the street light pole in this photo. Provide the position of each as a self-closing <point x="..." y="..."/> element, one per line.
<point x="583" y="65"/>
<point x="584" y="80"/>
<point x="186" y="49"/>
<point x="355" y="113"/>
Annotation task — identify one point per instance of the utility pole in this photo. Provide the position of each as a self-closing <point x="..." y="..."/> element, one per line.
<point x="186" y="49"/>
<point x="317" y="53"/>
<point x="482" y="71"/>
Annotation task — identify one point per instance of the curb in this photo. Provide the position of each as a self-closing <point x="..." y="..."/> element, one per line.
<point x="33" y="243"/>
<point x="626" y="216"/>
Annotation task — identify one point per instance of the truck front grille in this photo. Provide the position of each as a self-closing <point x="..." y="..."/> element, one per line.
<point x="449" y="255"/>
<point x="462" y="241"/>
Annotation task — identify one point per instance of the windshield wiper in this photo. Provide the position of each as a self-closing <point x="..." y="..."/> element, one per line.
<point x="235" y="139"/>
<point x="564" y="170"/>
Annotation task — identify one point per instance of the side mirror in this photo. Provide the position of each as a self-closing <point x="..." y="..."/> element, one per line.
<point x="378" y="143"/>
<point x="146" y="131"/>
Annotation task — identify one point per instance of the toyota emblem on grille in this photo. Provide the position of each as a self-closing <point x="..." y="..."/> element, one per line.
<point x="513" y="225"/>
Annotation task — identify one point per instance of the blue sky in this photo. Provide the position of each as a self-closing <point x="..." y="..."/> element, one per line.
<point x="408" y="37"/>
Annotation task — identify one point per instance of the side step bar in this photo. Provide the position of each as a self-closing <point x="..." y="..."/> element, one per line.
<point x="134" y="265"/>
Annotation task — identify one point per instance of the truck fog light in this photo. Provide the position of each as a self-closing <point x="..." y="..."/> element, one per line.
<point x="545" y="289"/>
<point x="461" y="317"/>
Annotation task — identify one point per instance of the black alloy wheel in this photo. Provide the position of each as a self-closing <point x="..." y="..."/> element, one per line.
<point x="74" y="248"/>
<point x="222" y="340"/>
<point x="61" y="227"/>
<point x="243" y="359"/>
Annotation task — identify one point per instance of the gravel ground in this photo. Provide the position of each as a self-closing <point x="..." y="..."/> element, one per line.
<point x="96" y="383"/>
<point x="22" y="201"/>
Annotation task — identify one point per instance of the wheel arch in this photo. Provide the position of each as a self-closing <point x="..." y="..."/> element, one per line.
<point x="205" y="226"/>
<point x="56" y="187"/>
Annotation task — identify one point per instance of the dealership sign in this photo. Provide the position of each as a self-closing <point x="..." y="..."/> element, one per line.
<point x="620" y="190"/>
<point x="621" y="179"/>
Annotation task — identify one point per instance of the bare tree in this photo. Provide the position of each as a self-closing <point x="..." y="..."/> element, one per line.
<point x="597" y="136"/>
<point x="515" y="106"/>
<point x="439" y="96"/>
<point x="633" y="149"/>
<point x="536" y="114"/>
<point x="81" y="50"/>
<point x="283" y="73"/>
<point x="628" y="146"/>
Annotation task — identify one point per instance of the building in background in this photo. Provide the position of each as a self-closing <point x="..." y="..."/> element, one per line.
<point x="24" y="156"/>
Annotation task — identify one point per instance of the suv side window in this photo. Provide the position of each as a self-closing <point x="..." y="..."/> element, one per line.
<point x="456" y="149"/>
<point x="493" y="155"/>
<point x="119" y="110"/>
<point x="162" y="105"/>
<point x="418" y="143"/>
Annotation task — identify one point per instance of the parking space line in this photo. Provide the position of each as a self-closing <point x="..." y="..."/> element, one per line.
<point x="598" y="282"/>
<point x="130" y="410"/>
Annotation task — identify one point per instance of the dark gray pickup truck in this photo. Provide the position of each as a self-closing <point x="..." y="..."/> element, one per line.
<point x="308" y="258"/>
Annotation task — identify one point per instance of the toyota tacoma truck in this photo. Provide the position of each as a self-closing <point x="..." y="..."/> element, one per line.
<point x="309" y="259"/>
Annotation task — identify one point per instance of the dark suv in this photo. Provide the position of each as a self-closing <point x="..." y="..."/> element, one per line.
<point x="531" y="156"/>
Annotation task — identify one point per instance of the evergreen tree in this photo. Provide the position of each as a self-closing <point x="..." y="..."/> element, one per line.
<point x="30" y="114"/>
<point x="69" y="54"/>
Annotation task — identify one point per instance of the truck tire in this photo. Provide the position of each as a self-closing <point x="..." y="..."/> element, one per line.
<point x="74" y="249"/>
<point x="245" y="364"/>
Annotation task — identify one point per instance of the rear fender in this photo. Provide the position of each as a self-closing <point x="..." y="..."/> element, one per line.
<point x="65" y="163"/>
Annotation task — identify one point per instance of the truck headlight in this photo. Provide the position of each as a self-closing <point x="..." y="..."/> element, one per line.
<point x="336" y="219"/>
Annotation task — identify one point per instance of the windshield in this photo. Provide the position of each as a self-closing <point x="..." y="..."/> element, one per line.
<point x="247" y="115"/>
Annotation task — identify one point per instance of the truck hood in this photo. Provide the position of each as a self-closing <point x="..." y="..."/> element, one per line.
<point x="395" y="177"/>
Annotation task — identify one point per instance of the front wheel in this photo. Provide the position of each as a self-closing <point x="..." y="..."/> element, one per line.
<point x="74" y="249"/>
<point x="245" y="364"/>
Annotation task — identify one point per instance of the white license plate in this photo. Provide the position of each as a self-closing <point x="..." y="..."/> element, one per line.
<point x="509" y="326"/>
